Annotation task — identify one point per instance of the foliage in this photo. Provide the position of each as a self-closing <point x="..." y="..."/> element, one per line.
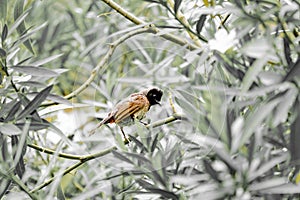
<point x="230" y="75"/>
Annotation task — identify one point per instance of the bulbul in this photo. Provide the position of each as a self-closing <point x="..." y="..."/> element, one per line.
<point x="132" y="108"/>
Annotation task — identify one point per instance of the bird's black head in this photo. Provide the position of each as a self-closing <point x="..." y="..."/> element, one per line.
<point x="154" y="95"/>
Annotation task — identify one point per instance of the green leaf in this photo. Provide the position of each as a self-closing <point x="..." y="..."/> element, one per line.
<point x="4" y="32"/>
<point x="10" y="129"/>
<point x="59" y="99"/>
<point x="35" y="71"/>
<point x="256" y="173"/>
<point x="295" y="138"/>
<point x="52" y="97"/>
<point x="60" y="193"/>
<point x="257" y="48"/>
<point x="121" y="157"/>
<point x="2" y="53"/>
<point x="153" y="189"/>
<point x="257" y="186"/>
<point x="18" y="11"/>
<point x="3" y="10"/>
<point x="35" y="103"/>
<point x="287" y="51"/>
<point x="176" y="5"/>
<point x="254" y="121"/>
<point x="139" y="157"/>
<point x="154" y="143"/>
<point x="210" y="170"/>
<point x="34" y="125"/>
<point x="46" y="60"/>
<point x="138" y="143"/>
<point x="13" y="111"/>
<point x="287" y="188"/>
<point x="6" y="107"/>
<point x="55" y="108"/>
<point x="200" y="23"/>
<point x="17" y="22"/>
<point x="283" y="108"/>
<point x="26" y="35"/>
<point x="294" y="71"/>
<point x="35" y="84"/>
<point x="252" y="73"/>
<point x="4" y="186"/>
<point x="21" y="149"/>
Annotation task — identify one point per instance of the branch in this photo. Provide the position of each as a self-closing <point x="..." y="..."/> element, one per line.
<point x="138" y="21"/>
<point x="76" y="165"/>
<point x="10" y="176"/>
<point x="107" y="56"/>
<point x="182" y="20"/>
<point x="85" y="158"/>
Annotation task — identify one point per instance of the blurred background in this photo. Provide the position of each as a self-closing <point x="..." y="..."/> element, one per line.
<point x="230" y="75"/>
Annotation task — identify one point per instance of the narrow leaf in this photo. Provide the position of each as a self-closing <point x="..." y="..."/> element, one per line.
<point x="294" y="71"/>
<point x="255" y="120"/>
<point x="138" y="143"/>
<point x="4" y="185"/>
<point x="3" y="10"/>
<point x="252" y="73"/>
<point x="295" y="138"/>
<point x="121" y="157"/>
<point x="138" y="157"/>
<point x="32" y="84"/>
<point x="59" y="99"/>
<point x="19" y="164"/>
<point x="18" y="11"/>
<point x="17" y="23"/>
<point x="34" y="104"/>
<point x="10" y="129"/>
<point x="46" y="60"/>
<point x="267" y="167"/>
<point x="153" y="189"/>
<point x="2" y="53"/>
<point x="35" y="126"/>
<point x="35" y="71"/>
<point x="287" y="51"/>
<point x="210" y="170"/>
<point x="287" y="188"/>
<point x="13" y="111"/>
<point x="267" y="184"/>
<point x="176" y="5"/>
<point x="4" y="31"/>
<point x="200" y="23"/>
<point x="154" y="143"/>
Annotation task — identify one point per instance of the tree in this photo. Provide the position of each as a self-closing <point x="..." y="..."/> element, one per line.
<point x="229" y="124"/>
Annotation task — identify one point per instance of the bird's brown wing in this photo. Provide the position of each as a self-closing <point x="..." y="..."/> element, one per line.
<point x="134" y="104"/>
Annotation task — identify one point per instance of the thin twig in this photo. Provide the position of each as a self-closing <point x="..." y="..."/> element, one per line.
<point x="76" y="165"/>
<point x="136" y="20"/>
<point x="85" y="158"/>
<point x="182" y="20"/>
<point x="107" y="56"/>
<point x="53" y="152"/>
<point x="89" y="156"/>
<point x="171" y="103"/>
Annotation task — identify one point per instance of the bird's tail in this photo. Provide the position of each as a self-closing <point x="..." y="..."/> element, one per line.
<point x="91" y="132"/>
<point x="108" y="119"/>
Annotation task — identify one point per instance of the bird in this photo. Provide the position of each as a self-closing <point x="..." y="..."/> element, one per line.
<point x="131" y="109"/>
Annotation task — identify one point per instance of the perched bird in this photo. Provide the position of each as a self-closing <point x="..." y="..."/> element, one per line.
<point x="132" y="108"/>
